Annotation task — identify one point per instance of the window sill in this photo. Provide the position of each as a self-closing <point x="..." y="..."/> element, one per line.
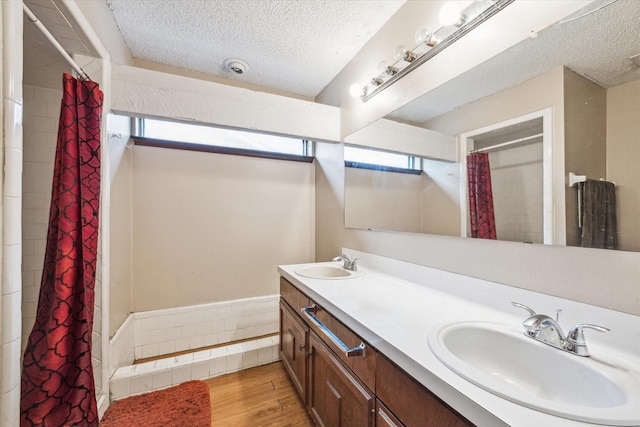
<point x="188" y="146"/>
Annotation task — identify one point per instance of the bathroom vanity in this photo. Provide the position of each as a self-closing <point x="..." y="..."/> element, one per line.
<point x="352" y="384"/>
<point x="360" y="349"/>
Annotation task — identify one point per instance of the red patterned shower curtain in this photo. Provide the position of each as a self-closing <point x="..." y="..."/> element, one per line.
<point x="483" y="223"/>
<point x="57" y="375"/>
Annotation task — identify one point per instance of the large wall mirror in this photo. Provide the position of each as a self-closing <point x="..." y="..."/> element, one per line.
<point x="564" y="102"/>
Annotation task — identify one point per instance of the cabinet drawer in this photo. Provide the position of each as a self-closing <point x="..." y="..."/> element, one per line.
<point x="364" y="365"/>
<point x="292" y="295"/>
<point x="411" y="403"/>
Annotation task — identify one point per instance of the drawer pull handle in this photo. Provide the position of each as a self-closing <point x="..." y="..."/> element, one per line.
<point x="349" y="352"/>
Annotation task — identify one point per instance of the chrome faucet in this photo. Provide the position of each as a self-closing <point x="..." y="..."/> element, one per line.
<point x="545" y="329"/>
<point x="349" y="264"/>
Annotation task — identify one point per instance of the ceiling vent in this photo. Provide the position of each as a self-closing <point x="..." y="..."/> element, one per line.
<point x="236" y="66"/>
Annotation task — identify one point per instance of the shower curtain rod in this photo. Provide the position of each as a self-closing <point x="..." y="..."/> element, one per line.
<point x="505" y="144"/>
<point x="34" y="19"/>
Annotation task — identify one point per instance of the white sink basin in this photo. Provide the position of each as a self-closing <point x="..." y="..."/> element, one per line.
<point x="501" y="360"/>
<point x="327" y="271"/>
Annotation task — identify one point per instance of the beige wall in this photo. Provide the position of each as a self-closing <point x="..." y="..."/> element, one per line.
<point x="121" y="241"/>
<point x="623" y="152"/>
<point x="585" y="107"/>
<point x="210" y="227"/>
<point x="426" y="203"/>
<point x="441" y="198"/>
<point x="329" y="193"/>
<point x="382" y="200"/>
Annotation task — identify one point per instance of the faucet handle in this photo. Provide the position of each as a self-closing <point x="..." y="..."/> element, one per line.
<point x="348" y="264"/>
<point x="575" y="338"/>
<point x="529" y="309"/>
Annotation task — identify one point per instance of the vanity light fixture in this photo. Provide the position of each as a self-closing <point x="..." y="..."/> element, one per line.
<point x="451" y="14"/>
<point x="456" y="22"/>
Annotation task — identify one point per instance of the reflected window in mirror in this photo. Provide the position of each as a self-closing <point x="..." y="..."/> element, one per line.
<point x="366" y="158"/>
<point x="400" y="192"/>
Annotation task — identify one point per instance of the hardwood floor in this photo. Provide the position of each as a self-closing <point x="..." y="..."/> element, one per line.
<point x="256" y="397"/>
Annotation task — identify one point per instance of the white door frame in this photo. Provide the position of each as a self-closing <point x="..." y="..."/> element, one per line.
<point x="466" y="144"/>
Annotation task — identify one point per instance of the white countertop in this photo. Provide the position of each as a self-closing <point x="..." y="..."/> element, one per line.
<point x="395" y="305"/>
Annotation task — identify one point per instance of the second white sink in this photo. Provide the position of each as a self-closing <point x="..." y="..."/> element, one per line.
<point x="501" y="360"/>
<point x="327" y="271"/>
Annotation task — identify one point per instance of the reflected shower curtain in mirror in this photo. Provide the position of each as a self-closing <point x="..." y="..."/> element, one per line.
<point x="483" y="223"/>
<point x="57" y="375"/>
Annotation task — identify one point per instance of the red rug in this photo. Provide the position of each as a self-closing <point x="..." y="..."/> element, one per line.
<point x="185" y="405"/>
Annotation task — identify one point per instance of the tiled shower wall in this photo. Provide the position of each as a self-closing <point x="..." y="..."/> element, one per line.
<point x="11" y="152"/>
<point x="518" y="193"/>
<point x="41" y="112"/>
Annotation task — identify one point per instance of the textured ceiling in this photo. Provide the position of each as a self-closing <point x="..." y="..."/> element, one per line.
<point x="596" y="45"/>
<point x="293" y="46"/>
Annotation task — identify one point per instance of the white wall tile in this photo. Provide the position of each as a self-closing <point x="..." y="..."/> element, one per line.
<point x="203" y="354"/>
<point x="164" y="363"/>
<point x="196" y="342"/>
<point x="120" y="387"/>
<point x="10" y="375"/>
<point x="161" y="379"/>
<point x="249" y="359"/>
<point x="180" y="374"/>
<point x="211" y="339"/>
<point x="218" y="366"/>
<point x="11" y="317"/>
<point x="200" y="370"/>
<point x="140" y="384"/>
<point x="234" y="362"/>
<point x="167" y="347"/>
<point x="184" y="358"/>
<point x="265" y="355"/>
<point x="149" y="350"/>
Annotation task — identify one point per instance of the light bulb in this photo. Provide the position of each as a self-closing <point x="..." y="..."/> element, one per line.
<point x="423" y="34"/>
<point x="400" y="52"/>
<point x="426" y="36"/>
<point x="356" y="90"/>
<point x="382" y="67"/>
<point x="450" y="14"/>
<point x="404" y="54"/>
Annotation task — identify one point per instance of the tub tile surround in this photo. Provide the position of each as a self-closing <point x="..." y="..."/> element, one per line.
<point x="11" y="153"/>
<point x="159" y="332"/>
<point x="395" y="305"/>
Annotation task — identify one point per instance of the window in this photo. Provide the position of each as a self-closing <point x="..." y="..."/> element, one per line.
<point x="196" y="137"/>
<point x="367" y="158"/>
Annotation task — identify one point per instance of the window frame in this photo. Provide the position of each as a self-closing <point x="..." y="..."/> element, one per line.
<point x="138" y="138"/>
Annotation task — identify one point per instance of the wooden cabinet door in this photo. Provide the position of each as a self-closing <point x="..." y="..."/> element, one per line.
<point x="384" y="417"/>
<point x="336" y="397"/>
<point x="294" y="337"/>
